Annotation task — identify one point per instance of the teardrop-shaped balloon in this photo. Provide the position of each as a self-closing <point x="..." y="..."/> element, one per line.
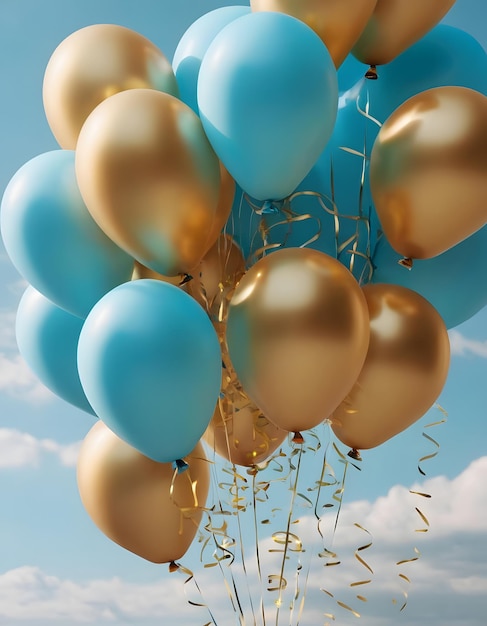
<point x="267" y="97"/>
<point x="150" y="178"/>
<point x="144" y="506"/>
<point x="427" y="171"/>
<point x="297" y="335"/>
<point x="404" y="372"/>
<point x="94" y="63"/>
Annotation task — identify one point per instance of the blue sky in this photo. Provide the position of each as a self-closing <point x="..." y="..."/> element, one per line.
<point x="57" y="568"/>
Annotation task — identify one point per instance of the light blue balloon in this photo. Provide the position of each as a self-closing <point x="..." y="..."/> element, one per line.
<point x="267" y="96"/>
<point x="193" y="45"/>
<point x="150" y="364"/>
<point x="53" y="241"/>
<point x="453" y="282"/>
<point x="47" y="338"/>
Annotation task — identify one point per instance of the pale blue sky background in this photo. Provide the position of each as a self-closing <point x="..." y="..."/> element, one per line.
<point x="57" y="568"/>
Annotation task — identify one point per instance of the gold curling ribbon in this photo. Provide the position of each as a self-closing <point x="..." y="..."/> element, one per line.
<point x="420" y="494"/>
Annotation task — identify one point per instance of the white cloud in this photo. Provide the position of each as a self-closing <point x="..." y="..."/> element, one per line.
<point x="18" y="380"/>
<point x="462" y="346"/>
<point x="19" y="449"/>
<point x="7" y="330"/>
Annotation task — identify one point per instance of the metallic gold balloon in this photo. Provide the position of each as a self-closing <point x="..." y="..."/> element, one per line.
<point x="215" y="278"/>
<point x="224" y="207"/>
<point x="339" y="23"/>
<point x="395" y="25"/>
<point x="150" y="178"/>
<point x="297" y="335"/>
<point x="404" y="372"/>
<point x="92" y="64"/>
<point x="428" y="171"/>
<point x="238" y="430"/>
<point x="139" y="503"/>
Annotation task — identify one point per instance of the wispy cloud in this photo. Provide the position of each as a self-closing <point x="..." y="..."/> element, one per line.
<point x="442" y="574"/>
<point x="18" y="449"/>
<point x="463" y="346"/>
<point x="18" y="380"/>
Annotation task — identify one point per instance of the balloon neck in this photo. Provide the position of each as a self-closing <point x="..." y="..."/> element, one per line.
<point x="298" y="438"/>
<point x="173" y="567"/>
<point x="371" y="73"/>
<point x="185" y="278"/>
<point x="355" y="454"/>
<point x="406" y="262"/>
<point x="269" y="207"/>
<point x="180" y="466"/>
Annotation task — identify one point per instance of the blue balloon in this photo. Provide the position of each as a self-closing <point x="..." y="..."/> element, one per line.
<point x="193" y="45"/>
<point x="453" y="282"/>
<point x="47" y="338"/>
<point x="267" y="96"/>
<point x="150" y="364"/>
<point x="53" y="241"/>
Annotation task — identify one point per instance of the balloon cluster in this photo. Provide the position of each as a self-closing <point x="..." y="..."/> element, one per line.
<point x="148" y="304"/>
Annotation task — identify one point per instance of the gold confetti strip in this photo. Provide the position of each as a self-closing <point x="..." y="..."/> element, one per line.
<point x="348" y="608"/>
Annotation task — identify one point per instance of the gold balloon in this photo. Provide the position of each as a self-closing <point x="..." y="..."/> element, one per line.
<point x="238" y="430"/>
<point x="215" y="278"/>
<point x="243" y="436"/>
<point x="297" y="335"/>
<point x="339" y="23"/>
<point x="404" y="372"/>
<point x="92" y="64"/>
<point x="395" y="25"/>
<point x="224" y="207"/>
<point x="428" y="171"/>
<point x="139" y="503"/>
<point x="150" y="178"/>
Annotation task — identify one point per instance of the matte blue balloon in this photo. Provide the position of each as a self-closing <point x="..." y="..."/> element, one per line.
<point x="150" y="364"/>
<point x="453" y="282"/>
<point x="53" y="241"/>
<point x="47" y="338"/>
<point x="267" y="96"/>
<point x="193" y="46"/>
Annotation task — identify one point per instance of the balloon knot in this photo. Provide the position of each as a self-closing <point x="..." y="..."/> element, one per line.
<point x="173" y="567"/>
<point x="298" y="438"/>
<point x="269" y="207"/>
<point x="371" y="73"/>
<point x="180" y="465"/>
<point x="406" y="262"/>
<point x="355" y="454"/>
<point x="185" y="278"/>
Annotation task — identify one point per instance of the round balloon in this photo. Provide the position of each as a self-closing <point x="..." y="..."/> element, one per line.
<point x="144" y="506"/>
<point x="150" y="178"/>
<point x="52" y="239"/>
<point x="267" y="96"/>
<point x="94" y="63"/>
<point x="431" y="152"/>
<point x="150" y="364"/>
<point x="396" y="25"/>
<point x="404" y="372"/>
<point x="339" y="23"/>
<point x="47" y="338"/>
<point x="192" y="48"/>
<point x="297" y="335"/>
